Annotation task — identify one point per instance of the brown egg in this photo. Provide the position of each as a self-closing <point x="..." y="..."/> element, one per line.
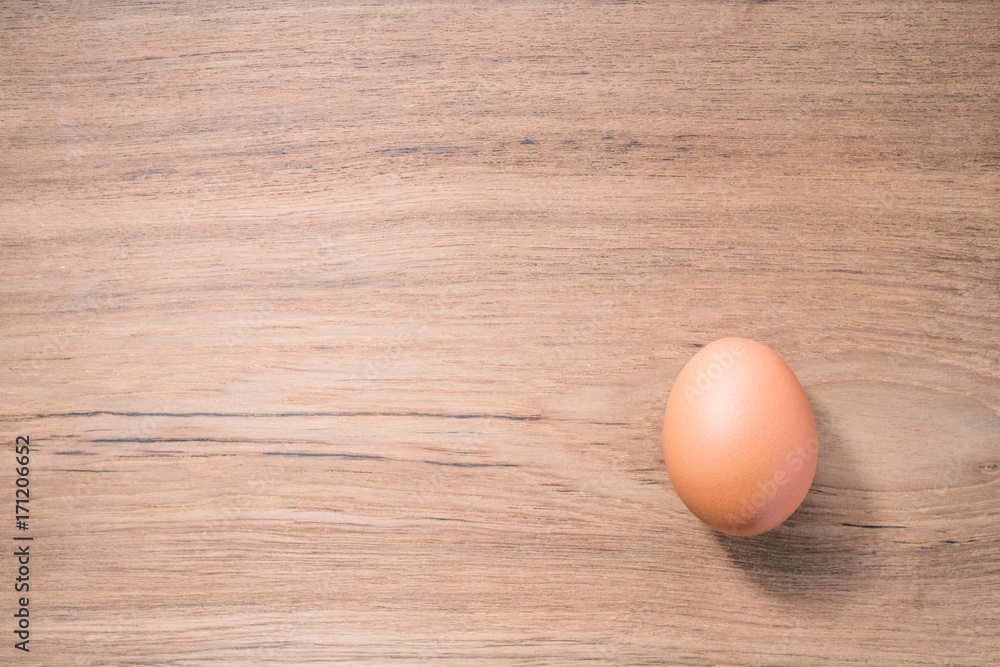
<point x="739" y="437"/>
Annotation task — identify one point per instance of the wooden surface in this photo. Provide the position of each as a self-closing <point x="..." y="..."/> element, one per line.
<point x="343" y="333"/>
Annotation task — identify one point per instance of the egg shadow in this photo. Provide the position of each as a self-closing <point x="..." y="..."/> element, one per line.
<point x="817" y="550"/>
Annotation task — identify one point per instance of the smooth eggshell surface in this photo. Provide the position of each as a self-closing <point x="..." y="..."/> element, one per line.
<point x="739" y="437"/>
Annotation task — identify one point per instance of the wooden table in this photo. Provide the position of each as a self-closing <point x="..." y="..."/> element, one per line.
<point x="342" y="332"/>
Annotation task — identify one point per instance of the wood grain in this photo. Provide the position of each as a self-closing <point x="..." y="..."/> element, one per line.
<point x="343" y="333"/>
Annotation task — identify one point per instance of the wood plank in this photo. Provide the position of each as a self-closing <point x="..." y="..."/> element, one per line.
<point x="343" y="333"/>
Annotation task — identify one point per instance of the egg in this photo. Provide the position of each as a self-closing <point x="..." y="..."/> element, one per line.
<point x="739" y="437"/>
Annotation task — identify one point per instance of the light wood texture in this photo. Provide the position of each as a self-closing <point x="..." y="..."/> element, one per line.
<point x="343" y="332"/>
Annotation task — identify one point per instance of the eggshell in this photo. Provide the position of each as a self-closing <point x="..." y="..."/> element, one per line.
<point x="739" y="438"/>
